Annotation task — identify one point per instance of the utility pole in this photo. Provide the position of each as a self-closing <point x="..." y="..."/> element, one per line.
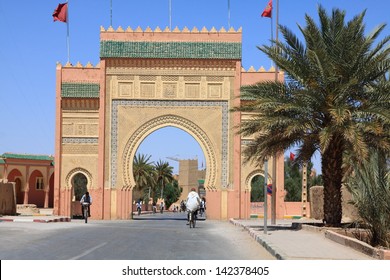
<point x="273" y="196"/>
<point x="265" y="195"/>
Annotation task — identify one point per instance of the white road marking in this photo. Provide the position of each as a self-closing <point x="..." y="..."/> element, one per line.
<point x="88" y="251"/>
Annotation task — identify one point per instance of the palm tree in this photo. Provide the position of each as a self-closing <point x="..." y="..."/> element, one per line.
<point x="331" y="100"/>
<point x="369" y="184"/>
<point x="143" y="172"/>
<point x="164" y="174"/>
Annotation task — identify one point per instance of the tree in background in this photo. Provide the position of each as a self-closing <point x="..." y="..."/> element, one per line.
<point x="151" y="179"/>
<point x="257" y="189"/>
<point x="172" y="193"/>
<point x="163" y="175"/>
<point x="293" y="180"/>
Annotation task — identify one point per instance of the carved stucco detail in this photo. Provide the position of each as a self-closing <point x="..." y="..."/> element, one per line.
<point x="169" y="120"/>
<point x="251" y="175"/>
<point x="73" y="172"/>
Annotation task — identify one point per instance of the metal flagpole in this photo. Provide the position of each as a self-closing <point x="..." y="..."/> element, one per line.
<point x="110" y="12"/>
<point x="67" y="30"/>
<point x="273" y="210"/>
<point x="229" y="14"/>
<point x="170" y="14"/>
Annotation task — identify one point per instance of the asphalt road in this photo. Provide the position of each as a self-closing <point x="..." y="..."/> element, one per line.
<point x="148" y="237"/>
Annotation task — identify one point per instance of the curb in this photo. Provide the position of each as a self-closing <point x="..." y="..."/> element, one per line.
<point x="358" y="245"/>
<point x="35" y="220"/>
<point x="271" y="248"/>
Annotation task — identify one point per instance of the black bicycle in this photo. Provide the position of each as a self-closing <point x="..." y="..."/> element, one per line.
<point x="85" y="211"/>
<point x="192" y="218"/>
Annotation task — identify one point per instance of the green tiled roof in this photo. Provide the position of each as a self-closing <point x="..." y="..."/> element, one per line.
<point x="2" y="161"/>
<point x="26" y="156"/>
<point x="80" y="90"/>
<point x="205" y="50"/>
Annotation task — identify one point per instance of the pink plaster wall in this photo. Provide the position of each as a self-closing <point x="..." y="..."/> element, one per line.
<point x="213" y="210"/>
<point x="289" y="208"/>
<point x="250" y="78"/>
<point x="77" y="74"/>
<point x="171" y="36"/>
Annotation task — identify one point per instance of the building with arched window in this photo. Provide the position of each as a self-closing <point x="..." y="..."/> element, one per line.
<point x="33" y="176"/>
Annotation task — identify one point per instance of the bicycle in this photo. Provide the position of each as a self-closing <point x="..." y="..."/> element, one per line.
<point x="192" y="218"/>
<point x="85" y="211"/>
<point x="139" y="210"/>
<point x="201" y="211"/>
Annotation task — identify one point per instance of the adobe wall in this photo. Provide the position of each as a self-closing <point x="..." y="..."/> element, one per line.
<point x="317" y="204"/>
<point x="7" y="198"/>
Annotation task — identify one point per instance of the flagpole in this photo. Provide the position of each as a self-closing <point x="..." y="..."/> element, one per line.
<point x="170" y="14"/>
<point x="229" y="14"/>
<point x="273" y="208"/>
<point x="67" y="30"/>
<point x="277" y="37"/>
<point x="110" y="12"/>
<point x="272" y="36"/>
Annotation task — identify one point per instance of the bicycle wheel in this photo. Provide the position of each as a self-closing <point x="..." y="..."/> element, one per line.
<point x="193" y="221"/>
<point x="190" y="219"/>
<point x="86" y="214"/>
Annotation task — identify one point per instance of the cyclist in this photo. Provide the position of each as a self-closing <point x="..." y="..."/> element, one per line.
<point x="139" y="206"/>
<point x="86" y="198"/>
<point x="192" y="204"/>
<point x="202" y="206"/>
<point x="162" y="205"/>
<point x="154" y="207"/>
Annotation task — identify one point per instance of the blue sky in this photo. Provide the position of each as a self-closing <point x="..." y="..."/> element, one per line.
<point x="32" y="44"/>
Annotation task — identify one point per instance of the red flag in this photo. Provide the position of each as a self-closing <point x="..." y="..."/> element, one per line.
<point x="269" y="189"/>
<point x="61" y="12"/>
<point x="268" y="10"/>
<point x="292" y="156"/>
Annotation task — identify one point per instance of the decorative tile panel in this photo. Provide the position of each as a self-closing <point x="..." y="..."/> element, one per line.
<point x="135" y="49"/>
<point x="80" y="90"/>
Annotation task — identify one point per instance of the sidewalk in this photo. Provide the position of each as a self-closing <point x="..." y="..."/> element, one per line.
<point x="286" y="241"/>
<point x="37" y="218"/>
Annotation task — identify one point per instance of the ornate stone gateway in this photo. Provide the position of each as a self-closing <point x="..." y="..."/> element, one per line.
<point x="147" y="80"/>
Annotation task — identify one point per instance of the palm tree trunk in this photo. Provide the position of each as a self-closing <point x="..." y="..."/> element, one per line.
<point x="332" y="171"/>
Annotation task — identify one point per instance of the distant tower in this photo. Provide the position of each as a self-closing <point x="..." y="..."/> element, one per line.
<point x="189" y="174"/>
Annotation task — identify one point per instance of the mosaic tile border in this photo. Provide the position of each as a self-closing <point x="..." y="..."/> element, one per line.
<point x="80" y="140"/>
